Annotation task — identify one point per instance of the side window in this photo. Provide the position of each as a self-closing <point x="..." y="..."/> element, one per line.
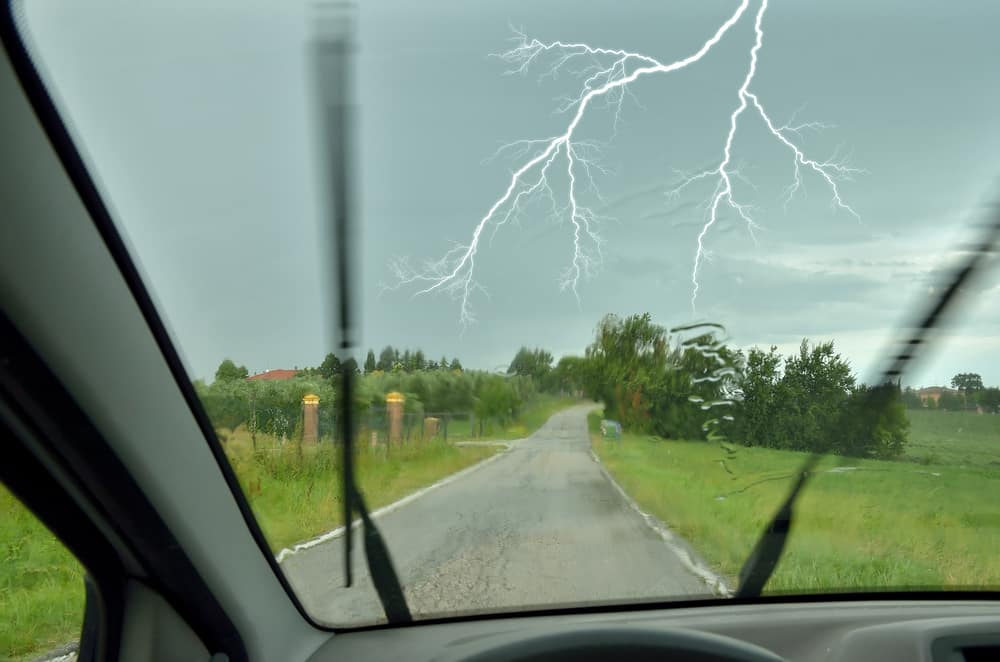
<point x="41" y="588"/>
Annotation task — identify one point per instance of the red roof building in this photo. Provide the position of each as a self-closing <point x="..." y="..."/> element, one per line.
<point x="275" y="375"/>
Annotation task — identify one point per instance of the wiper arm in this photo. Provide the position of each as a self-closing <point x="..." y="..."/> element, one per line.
<point x="331" y="51"/>
<point x="760" y="565"/>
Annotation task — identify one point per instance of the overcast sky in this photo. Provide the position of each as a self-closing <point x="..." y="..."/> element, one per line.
<point x="197" y="124"/>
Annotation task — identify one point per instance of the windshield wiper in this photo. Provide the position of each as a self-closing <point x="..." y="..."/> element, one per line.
<point x="767" y="551"/>
<point x="331" y="51"/>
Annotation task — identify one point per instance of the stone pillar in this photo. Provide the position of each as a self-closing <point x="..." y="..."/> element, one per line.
<point x="310" y="419"/>
<point x="394" y="414"/>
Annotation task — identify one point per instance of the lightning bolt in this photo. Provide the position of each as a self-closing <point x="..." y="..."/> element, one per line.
<point x="606" y="76"/>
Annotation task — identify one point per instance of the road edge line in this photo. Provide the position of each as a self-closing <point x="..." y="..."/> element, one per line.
<point x="688" y="558"/>
<point x="285" y="552"/>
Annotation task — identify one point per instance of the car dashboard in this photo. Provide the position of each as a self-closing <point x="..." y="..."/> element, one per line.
<point x="861" y="631"/>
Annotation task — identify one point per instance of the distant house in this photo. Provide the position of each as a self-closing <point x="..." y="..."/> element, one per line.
<point x="934" y="393"/>
<point x="274" y="375"/>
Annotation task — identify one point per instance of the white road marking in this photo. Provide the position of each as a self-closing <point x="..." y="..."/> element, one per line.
<point x="395" y="505"/>
<point x="689" y="561"/>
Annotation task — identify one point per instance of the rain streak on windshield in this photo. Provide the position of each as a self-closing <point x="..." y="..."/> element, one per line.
<point x="630" y="288"/>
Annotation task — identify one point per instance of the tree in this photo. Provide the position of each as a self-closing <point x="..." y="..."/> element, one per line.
<point x="950" y="401"/>
<point x="330" y="366"/>
<point x="814" y="389"/>
<point x="989" y="400"/>
<point x="370" y="362"/>
<point x="349" y="365"/>
<point x="911" y="400"/>
<point x="419" y="361"/>
<point x="455" y="365"/>
<point x="535" y="363"/>
<point x="443" y="363"/>
<point x="386" y="358"/>
<point x="967" y="382"/>
<point x="759" y="406"/>
<point x="228" y="371"/>
<point x="407" y="361"/>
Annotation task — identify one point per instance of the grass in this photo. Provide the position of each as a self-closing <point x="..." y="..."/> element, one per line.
<point x="41" y="585"/>
<point x="296" y="497"/>
<point x="878" y="526"/>
<point x="954" y="437"/>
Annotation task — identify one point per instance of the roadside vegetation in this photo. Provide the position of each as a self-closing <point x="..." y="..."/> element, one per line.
<point x="861" y="524"/>
<point x="296" y="492"/>
<point x="41" y="584"/>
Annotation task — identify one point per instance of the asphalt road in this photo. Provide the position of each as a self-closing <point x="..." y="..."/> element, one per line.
<point x="538" y="526"/>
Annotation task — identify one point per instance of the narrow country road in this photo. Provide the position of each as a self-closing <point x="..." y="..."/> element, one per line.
<point x="538" y="526"/>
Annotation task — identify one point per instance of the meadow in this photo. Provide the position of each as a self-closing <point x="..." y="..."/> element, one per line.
<point x="928" y="520"/>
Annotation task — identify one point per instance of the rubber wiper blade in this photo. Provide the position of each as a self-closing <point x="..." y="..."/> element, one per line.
<point x="766" y="554"/>
<point x="331" y="51"/>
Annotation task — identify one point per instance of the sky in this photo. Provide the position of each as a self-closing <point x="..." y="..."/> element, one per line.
<point x="198" y="122"/>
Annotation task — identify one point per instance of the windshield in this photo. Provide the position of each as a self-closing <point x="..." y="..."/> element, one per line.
<point x="619" y="275"/>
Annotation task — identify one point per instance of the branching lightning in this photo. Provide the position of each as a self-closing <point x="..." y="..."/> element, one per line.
<point x="606" y="76"/>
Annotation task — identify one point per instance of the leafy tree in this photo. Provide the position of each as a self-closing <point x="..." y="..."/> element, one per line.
<point x="407" y="361"/>
<point x="814" y="389"/>
<point x="386" y="358"/>
<point x="443" y="363"/>
<point x="758" y="410"/>
<point x="330" y="366"/>
<point x="535" y="363"/>
<point x="989" y="400"/>
<point x="350" y="365"/>
<point x="812" y="403"/>
<point x="370" y="362"/>
<point x="229" y="371"/>
<point x="419" y="361"/>
<point x="911" y="399"/>
<point x="455" y="365"/>
<point x="569" y="374"/>
<point x="872" y="424"/>
<point x="967" y="382"/>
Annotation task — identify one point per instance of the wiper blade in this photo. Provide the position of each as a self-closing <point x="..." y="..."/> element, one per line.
<point x="331" y="51"/>
<point x="760" y="565"/>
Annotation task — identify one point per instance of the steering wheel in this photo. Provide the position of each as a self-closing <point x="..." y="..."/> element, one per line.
<point x="625" y="643"/>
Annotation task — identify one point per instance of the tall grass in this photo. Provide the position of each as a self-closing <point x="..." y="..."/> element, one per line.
<point x="41" y="585"/>
<point x="296" y="491"/>
<point x="878" y="525"/>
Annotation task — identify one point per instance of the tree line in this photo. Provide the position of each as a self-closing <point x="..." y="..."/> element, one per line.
<point x="687" y="384"/>
<point x="968" y="394"/>
<point x="430" y="387"/>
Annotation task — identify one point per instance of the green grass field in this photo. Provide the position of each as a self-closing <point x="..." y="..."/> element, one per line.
<point x="41" y="585"/>
<point x="954" y="437"/>
<point x="877" y="525"/>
